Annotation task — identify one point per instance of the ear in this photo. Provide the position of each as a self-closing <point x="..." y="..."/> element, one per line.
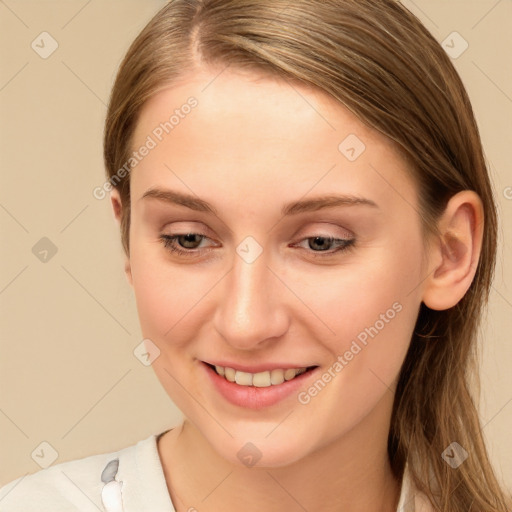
<point x="454" y="254"/>
<point x="117" y="208"/>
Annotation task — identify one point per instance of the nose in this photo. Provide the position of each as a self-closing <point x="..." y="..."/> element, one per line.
<point x="251" y="311"/>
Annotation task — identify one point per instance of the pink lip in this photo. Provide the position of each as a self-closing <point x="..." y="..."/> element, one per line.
<point x="252" y="397"/>
<point x="256" y="368"/>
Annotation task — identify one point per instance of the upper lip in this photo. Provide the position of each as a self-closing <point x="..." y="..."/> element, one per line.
<point x="257" y="368"/>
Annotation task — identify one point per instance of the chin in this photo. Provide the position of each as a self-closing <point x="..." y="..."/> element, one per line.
<point x="261" y="451"/>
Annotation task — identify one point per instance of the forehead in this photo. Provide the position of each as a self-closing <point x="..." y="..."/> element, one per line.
<point x="249" y="133"/>
<point x="255" y="107"/>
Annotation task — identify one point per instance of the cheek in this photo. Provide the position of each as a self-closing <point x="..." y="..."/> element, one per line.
<point x="371" y="308"/>
<point x="372" y="314"/>
<point x="165" y="293"/>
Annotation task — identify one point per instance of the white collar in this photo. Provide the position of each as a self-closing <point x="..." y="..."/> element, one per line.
<point x="411" y="499"/>
<point x="141" y="472"/>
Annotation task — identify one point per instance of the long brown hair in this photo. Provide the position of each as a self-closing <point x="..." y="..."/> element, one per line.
<point x="377" y="59"/>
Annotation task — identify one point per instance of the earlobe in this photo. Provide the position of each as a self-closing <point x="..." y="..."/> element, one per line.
<point x="128" y="271"/>
<point x="117" y="208"/>
<point x="115" y="201"/>
<point x="454" y="254"/>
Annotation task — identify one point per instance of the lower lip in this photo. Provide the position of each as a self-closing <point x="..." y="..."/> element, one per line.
<point x="252" y="397"/>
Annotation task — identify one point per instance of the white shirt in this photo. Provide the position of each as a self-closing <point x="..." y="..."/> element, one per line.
<point x="77" y="486"/>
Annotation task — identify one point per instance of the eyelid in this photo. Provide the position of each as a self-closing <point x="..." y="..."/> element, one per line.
<point x="340" y="242"/>
<point x="191" y="232"/>
<point x="195" y="227"/>
<point x="341" y="245"/>
<point x="311" y="232"/>
<point x="299" y="238"/>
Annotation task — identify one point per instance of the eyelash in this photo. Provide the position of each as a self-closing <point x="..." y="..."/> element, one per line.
<point x="169" y="243"/>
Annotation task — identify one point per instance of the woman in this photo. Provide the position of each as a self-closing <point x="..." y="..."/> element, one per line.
<point x="310" y="233"/>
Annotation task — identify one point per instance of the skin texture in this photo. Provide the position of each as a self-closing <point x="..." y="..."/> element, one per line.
<point x="251" y="145"/>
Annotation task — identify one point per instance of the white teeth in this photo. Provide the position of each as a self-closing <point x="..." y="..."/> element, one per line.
<point x="261" y="379"/>
<point x="229" y="374"/>
<point x="243" y="378"/>
<point x="289" y="374"/>
<point x="276" y="377"/>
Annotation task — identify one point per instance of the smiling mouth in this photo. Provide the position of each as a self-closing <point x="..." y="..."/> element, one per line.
<point x="261" y="379"/>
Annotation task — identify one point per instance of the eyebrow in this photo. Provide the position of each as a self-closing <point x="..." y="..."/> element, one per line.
<point x="293" y="208"/>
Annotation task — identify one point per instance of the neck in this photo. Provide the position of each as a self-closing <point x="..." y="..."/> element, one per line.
<point x="353" y="474"/>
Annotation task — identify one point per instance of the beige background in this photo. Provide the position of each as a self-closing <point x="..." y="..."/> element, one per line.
<point x="69" y="325"/>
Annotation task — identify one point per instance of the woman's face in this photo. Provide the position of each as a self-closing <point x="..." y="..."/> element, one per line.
<point x="261" y="286"/>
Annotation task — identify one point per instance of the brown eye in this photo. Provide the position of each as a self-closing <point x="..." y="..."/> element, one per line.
<point x="189" y="240"/>
<point x="320" y="243"/>
<point x="185" y="244"/>
<point x="323" y="245"/>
